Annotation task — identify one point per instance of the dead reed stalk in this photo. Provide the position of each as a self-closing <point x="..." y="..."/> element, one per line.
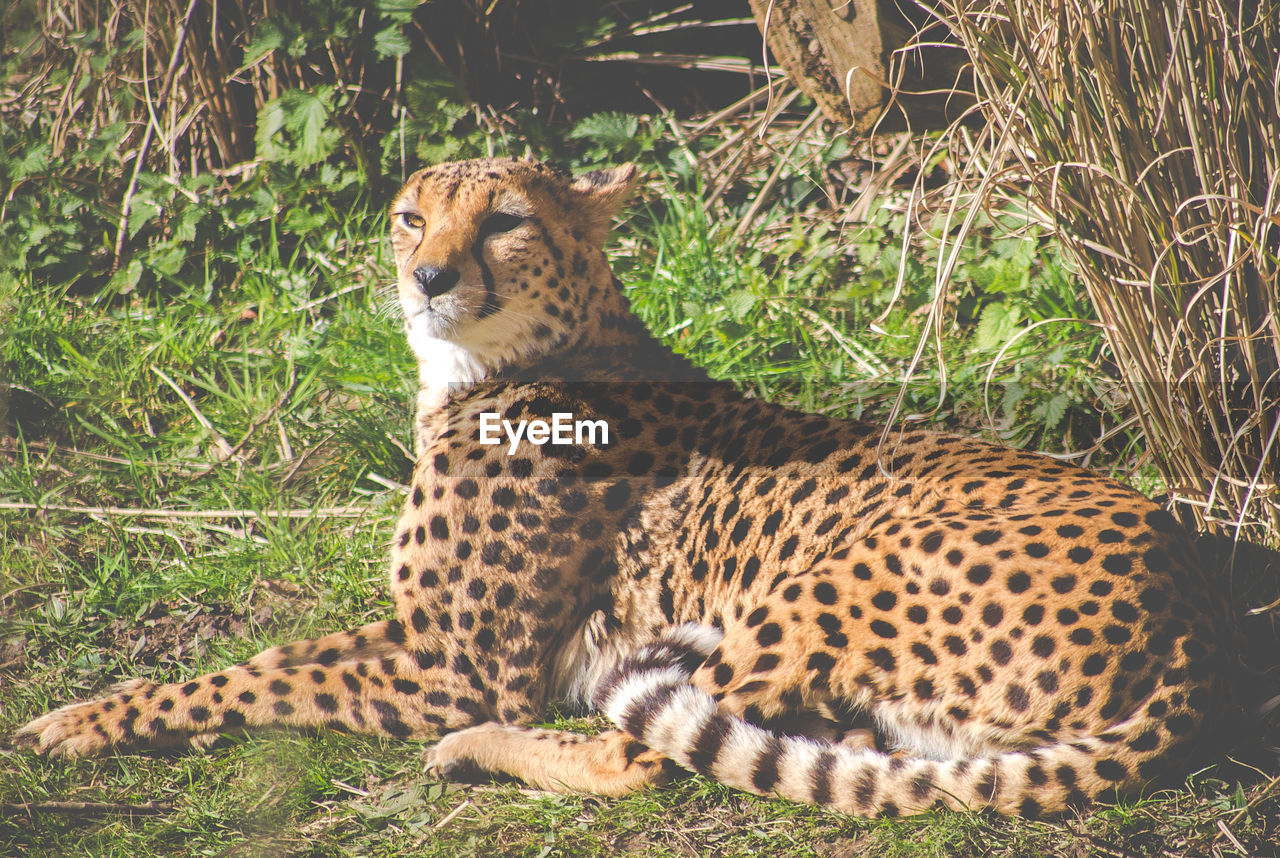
<point x="1148" y="133"/>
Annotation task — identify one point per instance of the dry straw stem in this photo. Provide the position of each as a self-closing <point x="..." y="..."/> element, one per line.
<point x="1148" y="133"/>
<point x="188" y="81"/>
<point x="148" y="133"/>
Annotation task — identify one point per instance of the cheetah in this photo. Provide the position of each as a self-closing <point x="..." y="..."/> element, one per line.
<point x="882" y="622"/>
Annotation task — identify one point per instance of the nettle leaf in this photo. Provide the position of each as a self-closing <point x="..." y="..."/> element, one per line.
<point x="185" y="228"/>
<point x="400" y="11"/>
<point x="391" y="42"/>
<point x="141" y="212"/>
<point x="297" y="127"/>
<point x="1055" y="409"/>
<point x="38" y="232"/>
<point x="610" y="129"/>
<point x="299" y="220"/>
<point x="104" y="146"/>
<point x="1013" y="394"/>
<point x="739" y="304"/>
<point x="267" y="37"/>
<point x="32" y="162"/>
<point x="167" y="257"/>
<point x="124" y="280"/>
<point x="997" y="325"/>
<point x="270" y="123"/>
<point x="308" y="120"/>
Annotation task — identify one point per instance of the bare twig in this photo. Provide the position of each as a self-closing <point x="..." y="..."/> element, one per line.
<point x="225" y="450"/>
<point x="258" y="422"/>
<point x="141" y="157"/>
<point x="85" y="808"/>
<point x="1226" y="832"/>
<point x="144" y="512"/>
<point x="33" y="586"/>
<point x="762" y="196"/>
<point x="452" y="815"/>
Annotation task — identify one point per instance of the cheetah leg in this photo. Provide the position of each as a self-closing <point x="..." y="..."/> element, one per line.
<point x="369" y="642"/>
<point x="857" y="733"/>
<point x="391" y="697"/>
<point x="611" y="763"/>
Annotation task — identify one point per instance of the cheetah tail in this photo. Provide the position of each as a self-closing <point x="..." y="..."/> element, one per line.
<point x="649" y="696"/>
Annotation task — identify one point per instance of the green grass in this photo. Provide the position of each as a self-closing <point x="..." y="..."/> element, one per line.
<point x="809" y="312"/>
<point x="160" y="519"/>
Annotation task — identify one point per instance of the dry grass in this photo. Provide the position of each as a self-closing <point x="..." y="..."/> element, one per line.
<point x="1148" y="134"/>
<point x="187" y="77"/>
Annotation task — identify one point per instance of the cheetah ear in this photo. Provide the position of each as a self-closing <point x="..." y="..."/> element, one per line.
<point x="601" y="193"/>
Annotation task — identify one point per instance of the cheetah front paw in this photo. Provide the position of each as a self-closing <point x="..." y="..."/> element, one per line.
<point x="71" y="731"/>
<point x="610" y="763"/>
<point x="76" y="730"/>
<point x="83" y="729"/>
<point x="457" y="755"/>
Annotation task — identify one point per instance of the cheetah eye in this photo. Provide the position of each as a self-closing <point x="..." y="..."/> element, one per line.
<point x="499" y="222"/>
<point x="412" y="221"/>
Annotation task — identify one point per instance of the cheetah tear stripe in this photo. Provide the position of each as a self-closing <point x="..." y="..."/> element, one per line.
<point x="649" y="696"/>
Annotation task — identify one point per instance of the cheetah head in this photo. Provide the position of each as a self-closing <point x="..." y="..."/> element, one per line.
<point x="499" y="261"/>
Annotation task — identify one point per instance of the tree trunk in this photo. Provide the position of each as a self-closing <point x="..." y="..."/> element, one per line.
<point x="847" y="57"/>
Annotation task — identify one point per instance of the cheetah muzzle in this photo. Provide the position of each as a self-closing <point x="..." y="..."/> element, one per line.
<point x="742" y="589"/>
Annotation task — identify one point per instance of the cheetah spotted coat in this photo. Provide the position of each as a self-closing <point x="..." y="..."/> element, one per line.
<point x="783" y="602"/>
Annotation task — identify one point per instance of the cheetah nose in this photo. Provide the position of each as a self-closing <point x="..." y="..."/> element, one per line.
<point x="435" y="281"/>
